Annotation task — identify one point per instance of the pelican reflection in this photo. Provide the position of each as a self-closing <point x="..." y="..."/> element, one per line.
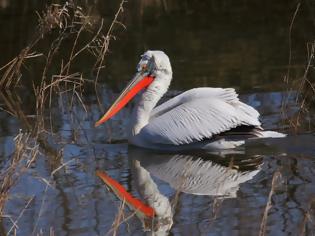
<point x="202" y="174"/>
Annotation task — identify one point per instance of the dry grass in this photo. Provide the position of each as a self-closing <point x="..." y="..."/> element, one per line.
<point x="306" y="90"/>
<point x="55" y="17"/>
<point x="12" y="74"/>
<point x="121" y="218"/>
<point x="13" y="106"/>
<point x="25" y="154"/>
<point x="49" y="184"/>
<point x="103" y="44"/>
<point x="309" y="218"/>
<point x="68" y="21"/>
<point x="305" y="99"/>
<point x="14" y="226"/>
<point x="87" y="36"/>
<point x="304" y="85"/>
<point x="59" y="22"/>
<point x="118" y="219"/>
<point x="274" y="184"/>
<point x="71" y="22"/>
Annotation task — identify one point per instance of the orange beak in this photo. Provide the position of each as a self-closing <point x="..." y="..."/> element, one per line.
<point x="138" y="83"/>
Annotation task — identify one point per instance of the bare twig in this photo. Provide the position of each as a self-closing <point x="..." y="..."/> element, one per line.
<point x="15" y="226"/>
<point x="263" y="224"/>
<point x="287" y="77"/>
<point x="45" y="192"/>
<point x="25" y="149"/>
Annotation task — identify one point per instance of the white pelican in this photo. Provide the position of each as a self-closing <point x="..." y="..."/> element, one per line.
<point x="200" y="118"/>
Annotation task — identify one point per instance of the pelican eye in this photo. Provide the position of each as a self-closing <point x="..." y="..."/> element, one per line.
<point x="144" y="67"/>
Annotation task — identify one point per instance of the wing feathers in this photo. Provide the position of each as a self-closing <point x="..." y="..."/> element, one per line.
<point x="198" y="119"/>
<point x="228" y="95"/>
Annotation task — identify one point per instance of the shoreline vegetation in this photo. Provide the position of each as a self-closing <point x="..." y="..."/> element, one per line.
<point x="303" y="85"/>
<point x="72" y="34"/>
<point x="59" y="25"/>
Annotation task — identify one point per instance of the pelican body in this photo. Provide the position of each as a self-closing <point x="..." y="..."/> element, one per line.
<point x="200" y="118"/>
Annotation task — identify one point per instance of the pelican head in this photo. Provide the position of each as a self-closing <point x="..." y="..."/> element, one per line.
<point x="153" y="70"/>
<point x="154" y="62"/>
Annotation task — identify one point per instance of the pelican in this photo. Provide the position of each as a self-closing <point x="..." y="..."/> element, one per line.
<point x="200" y="118"/>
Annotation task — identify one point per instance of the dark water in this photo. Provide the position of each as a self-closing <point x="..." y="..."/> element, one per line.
<point x="214" y="43"/>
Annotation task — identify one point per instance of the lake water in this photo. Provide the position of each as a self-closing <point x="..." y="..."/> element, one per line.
<point x="266" y="187"/>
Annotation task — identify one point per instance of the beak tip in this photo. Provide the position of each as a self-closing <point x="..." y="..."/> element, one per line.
<point x="101" y="121"/>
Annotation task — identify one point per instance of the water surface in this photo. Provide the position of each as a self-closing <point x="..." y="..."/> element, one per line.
<point x="212" y="44"/>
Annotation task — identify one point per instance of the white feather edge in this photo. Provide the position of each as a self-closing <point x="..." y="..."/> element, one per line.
<point x="198" y="114"/>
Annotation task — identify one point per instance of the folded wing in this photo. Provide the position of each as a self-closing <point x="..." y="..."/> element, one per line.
<point x="197" y="116"/>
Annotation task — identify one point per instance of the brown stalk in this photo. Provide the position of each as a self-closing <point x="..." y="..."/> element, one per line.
<point x="275" y="179"/>
<point x="25" y="154"/>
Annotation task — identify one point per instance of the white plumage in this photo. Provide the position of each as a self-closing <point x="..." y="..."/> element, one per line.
<point x="198" y="114"/>
<point x="198" y="118"/>
<point x="197" y="176"/>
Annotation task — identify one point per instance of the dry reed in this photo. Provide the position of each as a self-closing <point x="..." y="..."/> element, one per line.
<point x="308" y="218"/>
<point x="303" y="86"/>
<point x="25" y="154"/>
<point x="68" y="21"/>
<point x="274" y="184"/>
